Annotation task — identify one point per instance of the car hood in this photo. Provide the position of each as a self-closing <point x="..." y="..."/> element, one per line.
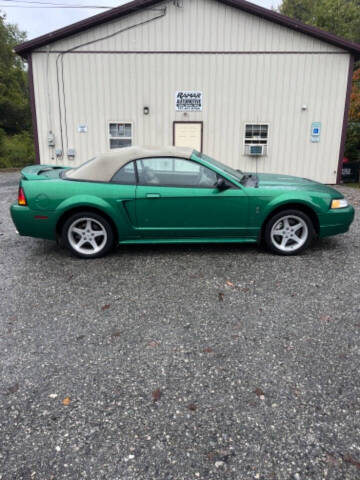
<point x="288" y="182"/>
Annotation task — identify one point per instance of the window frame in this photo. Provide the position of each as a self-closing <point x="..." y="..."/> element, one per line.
<point x="117" y="122"/>
<point x="266" y="145"/>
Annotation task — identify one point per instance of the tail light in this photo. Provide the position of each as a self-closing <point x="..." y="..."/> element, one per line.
<point x="21" y="197"/>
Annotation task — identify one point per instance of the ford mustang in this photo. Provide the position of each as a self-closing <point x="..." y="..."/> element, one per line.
<point x="173" y="195"/>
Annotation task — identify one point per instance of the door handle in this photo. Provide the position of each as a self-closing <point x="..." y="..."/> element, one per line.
<point x="153" y="195"/>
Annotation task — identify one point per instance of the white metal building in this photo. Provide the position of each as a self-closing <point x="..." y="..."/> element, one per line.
<point x="244" y="84"/>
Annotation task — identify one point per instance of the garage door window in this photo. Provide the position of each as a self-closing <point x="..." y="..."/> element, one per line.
<point x="256" y="134"/>
<point x="120" y="134"/>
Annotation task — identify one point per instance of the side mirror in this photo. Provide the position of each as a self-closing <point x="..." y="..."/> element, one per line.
<point x="221" y="184"/>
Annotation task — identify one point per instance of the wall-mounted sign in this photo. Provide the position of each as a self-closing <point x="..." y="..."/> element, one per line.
<point x="188" y="101"/>
<point x="315" y="132"/>
<point x="82" y="128"/>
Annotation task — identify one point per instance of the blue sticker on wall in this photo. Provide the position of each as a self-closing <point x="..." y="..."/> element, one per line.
<point x="315" y="132"/>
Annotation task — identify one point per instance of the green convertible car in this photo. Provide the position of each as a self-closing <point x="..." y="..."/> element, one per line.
<point x="173" y="195"/>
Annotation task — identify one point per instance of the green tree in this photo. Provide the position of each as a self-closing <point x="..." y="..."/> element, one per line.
<point x="341" y="17"/>
<point x="352" y="148"/>
<point x="14" y="105"/>
<point x="300" y="9"/>
<point x="15" y="117"/>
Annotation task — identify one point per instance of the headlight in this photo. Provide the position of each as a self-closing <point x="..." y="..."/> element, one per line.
<point x="339" y="203"/>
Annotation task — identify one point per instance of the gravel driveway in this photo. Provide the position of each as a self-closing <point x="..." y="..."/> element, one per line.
<point x="179" y="362"/>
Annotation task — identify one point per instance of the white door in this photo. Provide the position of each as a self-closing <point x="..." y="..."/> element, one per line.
<point x="188" y="134"/>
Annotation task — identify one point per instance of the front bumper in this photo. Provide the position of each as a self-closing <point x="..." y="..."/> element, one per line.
<point x="31" y="223"/>
<point x="336" y="221"/>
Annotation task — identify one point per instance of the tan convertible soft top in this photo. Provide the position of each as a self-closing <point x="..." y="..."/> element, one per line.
<point x="104" y="166"/>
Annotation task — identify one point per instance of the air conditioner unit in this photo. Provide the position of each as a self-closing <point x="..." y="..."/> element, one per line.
<point x="256" y="150"/>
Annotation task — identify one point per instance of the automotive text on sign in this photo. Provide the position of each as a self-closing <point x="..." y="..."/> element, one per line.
<point x="187" y="101"/>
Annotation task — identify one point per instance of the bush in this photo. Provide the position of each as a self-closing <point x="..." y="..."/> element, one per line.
<point x="16" y="151"/>
<point x="352" y="148"/>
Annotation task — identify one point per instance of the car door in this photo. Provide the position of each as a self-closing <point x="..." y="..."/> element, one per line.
<point x="177" y="197"/>
<point x="122" y="193"/>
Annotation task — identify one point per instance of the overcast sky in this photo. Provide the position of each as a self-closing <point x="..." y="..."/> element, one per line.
<point x="37" y="21"/>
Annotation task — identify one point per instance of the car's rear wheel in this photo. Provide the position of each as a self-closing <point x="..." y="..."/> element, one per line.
<point x="289" y="232"/>
<point x="88" y="235"/>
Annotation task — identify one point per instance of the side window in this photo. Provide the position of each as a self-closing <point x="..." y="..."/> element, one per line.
<point x="174" y="172"/>
<point x="126" y="175"/>
<point x="120" y="135"/>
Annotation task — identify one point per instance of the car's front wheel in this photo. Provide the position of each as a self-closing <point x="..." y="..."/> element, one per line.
<point x="88" y="235"/>
<point x="289" y="232"/>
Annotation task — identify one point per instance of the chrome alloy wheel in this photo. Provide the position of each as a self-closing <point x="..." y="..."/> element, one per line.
<point x="87" y="236"/>
<point x="289" y="233"/>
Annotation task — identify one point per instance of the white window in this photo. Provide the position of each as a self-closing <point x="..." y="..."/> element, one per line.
<point x="120" y="134"/>
<point x="256" y="138"/>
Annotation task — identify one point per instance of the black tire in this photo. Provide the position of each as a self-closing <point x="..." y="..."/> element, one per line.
<point x="103" y="235"/>
<point x="272" y="240"/>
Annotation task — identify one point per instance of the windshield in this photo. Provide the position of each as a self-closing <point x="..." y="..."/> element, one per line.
<point x="237" y="174"/>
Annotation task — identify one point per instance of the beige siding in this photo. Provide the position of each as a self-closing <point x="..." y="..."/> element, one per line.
<point x="238" y="88"/>
<point x="200" y="25"/>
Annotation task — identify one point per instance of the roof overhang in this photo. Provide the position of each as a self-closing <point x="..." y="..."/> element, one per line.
<point x="27" y="47"/>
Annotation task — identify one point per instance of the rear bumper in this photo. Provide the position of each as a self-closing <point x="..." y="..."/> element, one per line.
<point x="31" y="223"/>
<point x="336" y="221"/>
